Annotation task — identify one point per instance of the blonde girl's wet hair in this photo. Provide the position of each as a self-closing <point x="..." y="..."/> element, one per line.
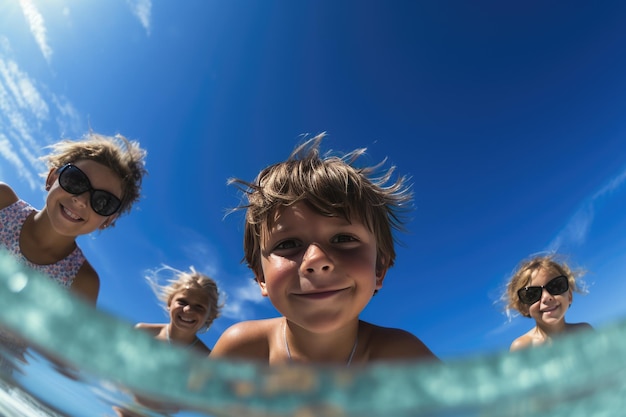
<point x="166" y="289"/>
<point x="521" y="277"/>
<point x="124" y="157"/>
<point x="332" y="186"/>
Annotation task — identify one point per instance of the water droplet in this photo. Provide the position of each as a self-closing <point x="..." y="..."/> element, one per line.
<point x="18" y="282"/>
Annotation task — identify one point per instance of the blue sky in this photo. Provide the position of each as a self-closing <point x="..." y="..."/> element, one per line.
<point x="508" y="117"/>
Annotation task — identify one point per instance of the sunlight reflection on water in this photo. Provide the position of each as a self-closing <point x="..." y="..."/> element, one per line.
<point x="87" y="367"/>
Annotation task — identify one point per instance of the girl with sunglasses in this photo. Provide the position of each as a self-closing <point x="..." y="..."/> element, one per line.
<point x="91" y="182"/>
<point x="542" y="288"/>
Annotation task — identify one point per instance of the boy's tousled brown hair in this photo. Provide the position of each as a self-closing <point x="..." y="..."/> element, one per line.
<point x="330" y="185"/>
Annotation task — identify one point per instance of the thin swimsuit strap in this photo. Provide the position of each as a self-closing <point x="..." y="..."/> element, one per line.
<point x="356" y="342"/>
<point x="167" y="334"/>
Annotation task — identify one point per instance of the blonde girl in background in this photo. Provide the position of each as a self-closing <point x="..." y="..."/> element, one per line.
<point x="542" y="288"/>
<point x="192" y="302"/>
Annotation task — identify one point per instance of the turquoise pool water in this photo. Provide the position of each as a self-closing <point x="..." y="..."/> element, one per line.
<point x="61" y="357"/>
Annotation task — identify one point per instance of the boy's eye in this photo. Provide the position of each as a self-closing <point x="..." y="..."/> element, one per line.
<point x="344" y="239"/>
<point x="286" y="244"/>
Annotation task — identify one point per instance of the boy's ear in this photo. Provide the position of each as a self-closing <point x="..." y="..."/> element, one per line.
<point x="380" y="277"/>
<point x="260" y="279"/>
<point x="381" y="271"/>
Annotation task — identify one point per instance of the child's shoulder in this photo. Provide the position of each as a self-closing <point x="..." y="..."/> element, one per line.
<point x="388" y="343"/>
<point x="153" y="329"/>
<point x="579" y="326"/>
<point x="247" y="339"/>
<point x="150" y="326"/>
<point x="87" y="283"/>
<point x="252" y="329"/>
<point x="522" y="342"/>
<point x="7" y="195"/>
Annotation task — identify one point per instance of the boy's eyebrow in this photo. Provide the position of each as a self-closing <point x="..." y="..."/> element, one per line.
<point x="280" y="228"/>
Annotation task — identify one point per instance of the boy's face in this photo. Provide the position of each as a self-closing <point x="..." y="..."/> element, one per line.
<point x="319" y="272"/>
<point x="550" y="309"/>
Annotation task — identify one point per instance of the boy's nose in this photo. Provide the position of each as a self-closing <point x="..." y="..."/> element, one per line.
<point x="315" y="259"/>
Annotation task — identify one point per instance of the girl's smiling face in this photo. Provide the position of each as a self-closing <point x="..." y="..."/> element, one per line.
<point x="550" y="309"/>
<point x="72" y="215"/>
<point x="189" y="310"/>
<point x="319" y="272"/>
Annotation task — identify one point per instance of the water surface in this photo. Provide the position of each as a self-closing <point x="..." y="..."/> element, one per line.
<point x="61" y="357"/>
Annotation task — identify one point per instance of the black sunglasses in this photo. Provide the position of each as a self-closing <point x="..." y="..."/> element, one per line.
<point x="556" y="286"/>
<point x="76" y="182"/>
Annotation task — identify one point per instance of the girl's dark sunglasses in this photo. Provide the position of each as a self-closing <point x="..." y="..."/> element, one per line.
<point x="556" y="286"/>
<point x="76" y="182"/>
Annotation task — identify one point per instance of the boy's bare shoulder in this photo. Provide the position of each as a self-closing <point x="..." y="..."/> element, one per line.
<point x="7" y="195"/>
<point x="247" y="339"/>
<point x="387" y="343"/>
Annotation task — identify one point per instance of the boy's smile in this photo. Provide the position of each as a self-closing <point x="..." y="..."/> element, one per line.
<point x="319" y="295"/>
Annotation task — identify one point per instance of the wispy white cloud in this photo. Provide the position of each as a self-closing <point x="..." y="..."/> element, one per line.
<point x="21" y="110"/>
<point x="576" y="230"/>
<point x="240" y="300"/>
<point x="611" y="185"/>
<point x="68" y="118"/>
<point x="37" y="27"/>
<point x="142" y="9"/>
<point x="5" y="45"/>
<point x="26" y="109"/>
<point x="23" y="90"/>
<point x="8" y="153"/>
